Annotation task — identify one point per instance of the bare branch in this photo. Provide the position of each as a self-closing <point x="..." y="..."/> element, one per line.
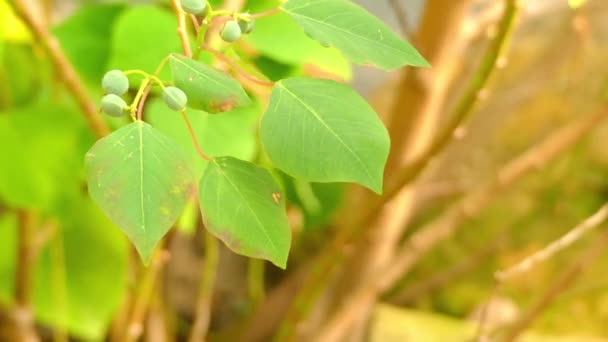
<point x="446" y="225"/>
<point x="556" y="246"/>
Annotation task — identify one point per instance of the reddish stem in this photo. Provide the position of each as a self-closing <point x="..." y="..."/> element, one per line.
<point x="266" y="13"/>
<point x="236" y="67"/>
<point x="193" y="135"/>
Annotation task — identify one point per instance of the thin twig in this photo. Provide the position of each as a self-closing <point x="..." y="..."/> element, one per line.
<point x="266" y="13"/>
<point x="564" y="281"/>
<point x="401" y="16"/>
<point x="236" y="67"/>
<point x="182" y="32"/>
<point x="205" y="294"/>
<point x="24" y="276"/>
<point x="193" y="136"/>
<point x="447" y="224"/>
<point x="556" y="246"/>
<point x="62" y="65"/>
<point x="143" y="296"/>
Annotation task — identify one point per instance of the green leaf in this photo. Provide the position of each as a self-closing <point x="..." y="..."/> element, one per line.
<point x="208" y="89"/>
<point x="230" y="134"/>
<point x="143" y="36"/>
<point x="243" y="206"/>
<point x="140" y="179"/>
<point x="292" y="46"/>
<point x="85" y="38"/>
<point x="47" y="161"/>
<point x="323" y="131"/>
<point x="81" y="272"/>
<point x="360" y="36"/>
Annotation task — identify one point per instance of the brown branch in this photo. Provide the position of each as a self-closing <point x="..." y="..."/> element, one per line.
<point x="401" y="16"/>
<point x="143" y="295"/>
<point x="447" y="224"/>
<point x="182" y="31"/>
<point x="489" y="63"/>
<point x="564" y="281"/>
<point x="62" y="65"/>
<point x="236" y="67"/>
<point x="24" y="276"/>
<point x="266" y="13"/>
<point x="556" y="246"/>
<point x="205" y="294"/>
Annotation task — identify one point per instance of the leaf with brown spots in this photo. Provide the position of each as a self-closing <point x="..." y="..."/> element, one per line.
<point x="242" y="205"/>
<point x="140" y="179"/>
<point x="207" y="89"/>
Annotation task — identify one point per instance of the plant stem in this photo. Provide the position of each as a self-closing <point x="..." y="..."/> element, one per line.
<point x="564" y="281"/>
<point x="266" y="13"/>
<point x="465" y="106"/>
<point x="182" y="32"/>
<point x="144" y="294"/>
<point x="556" y="246"/>
<point x="24" y="276"/>
<point x="205" y="294"/>
<point x="255" y="280"/>
<point x="62" y="65"/>
<point x="137" y="100"/>
<point x="447" y="224"/>
<point x="193" y="136"/>
<point x="236" y="67"/>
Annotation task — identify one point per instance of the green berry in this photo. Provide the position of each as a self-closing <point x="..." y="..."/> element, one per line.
<point x="175" y="98"/>
<point x="114" y="105"/>
<point x="231" y="31"/>
<point x="248" y="25"/>
<point x="115" y="82"/>
<point x="194" y="6"/>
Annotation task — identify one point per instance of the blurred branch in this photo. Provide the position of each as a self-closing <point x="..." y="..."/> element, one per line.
<point x="401" y="16"/>
<point x="556" y="246"/>
<point x="144" y="294"/>
<point x="24" y="276"/>
<point x="564" y="281"/>
<point x="205" y="295"/>
<point x="491" y="60"/>
<point x="62" y="65"/>
<point x="448" y="275"/>
<point x="448" y="223"/>
<point x="182" y="32"/>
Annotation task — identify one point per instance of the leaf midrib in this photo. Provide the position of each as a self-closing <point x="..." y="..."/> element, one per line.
<point x="198" y="72"/>
<point x="320" y="119"/>
<point x="253" y="212"/>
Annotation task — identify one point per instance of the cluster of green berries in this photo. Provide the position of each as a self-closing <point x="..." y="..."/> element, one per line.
<point x="232" y="30"/>
<point x="115" y="84"/>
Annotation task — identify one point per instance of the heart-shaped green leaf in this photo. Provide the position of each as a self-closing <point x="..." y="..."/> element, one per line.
<point x="140" y="179"/>
<point x="208" y="89"/>
<point x="361" y="37"/>
<point x="323" y="131"/>
<point x="243" y="206"/>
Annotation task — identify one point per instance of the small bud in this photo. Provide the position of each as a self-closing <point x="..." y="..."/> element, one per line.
<point x="175" y="98"/>
<point x="115" y="82"/>
<point x="231" y="31"/>
<point x="113" y="105"/>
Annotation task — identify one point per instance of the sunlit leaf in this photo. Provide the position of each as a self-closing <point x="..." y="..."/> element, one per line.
<point x="141" y="180"/>
<point x="360" y="36"/>
<point x="323" y="131"/>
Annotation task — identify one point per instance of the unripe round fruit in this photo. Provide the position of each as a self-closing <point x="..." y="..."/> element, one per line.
<point x="175" y="98"/>
<point x="247" y="26"/>
<point x="115" y="82"/>
<point x="231" y="31"/>
<point x="113" y="105"/>
<point x="194" y="6"/>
